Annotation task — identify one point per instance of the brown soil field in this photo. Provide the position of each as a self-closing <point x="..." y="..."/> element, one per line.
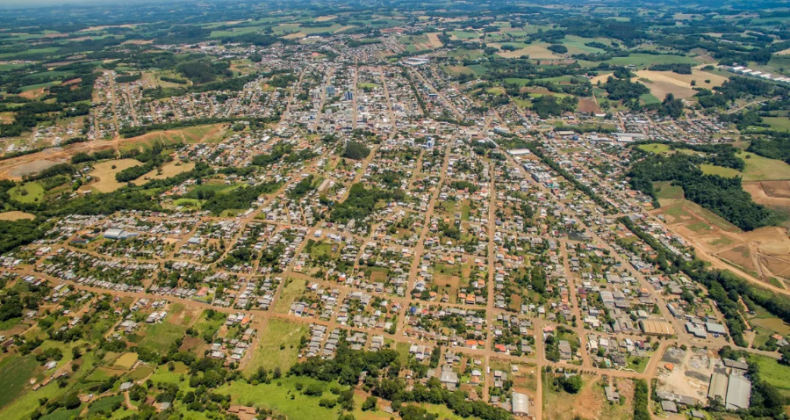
<point x="16" y="215"/>
<point x="534" y="51"/>
<point x="760" y="254"/>
<point x="138" y="42"/>
<point x="588" y="105"/>
<point x="325" y="18"/>
<point x="783" y="52"/>
<point x="33" y="94"/>
<point x="664" y="82"/>
<point x="105" y="174"/>
<point x="434" y="39"/>
<point x="774" y="189"/>
<point x="170" y="169"/>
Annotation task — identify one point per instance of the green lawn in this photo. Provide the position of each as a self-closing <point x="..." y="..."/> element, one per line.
<point x="276" y="334"/>
<point x="29" y="192"/>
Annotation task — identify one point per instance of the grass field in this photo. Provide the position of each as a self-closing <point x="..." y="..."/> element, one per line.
<point x="288" y="294"/>
<point x="276" y="335"/>
<point x="759" y="168"/>
<point x="778" y="123"/>
<point x="159" y="337"/>
<point x="648" y="59"/>
<point x="15" y="371"/>
<point x="278" y="398"/>
<point x="105" y="173"/>
<point x="774" y="373"/>
<point x="169" y="169"/>
<point x="654" y="147"/>
<point x="665" y="190"/>
<point x="721" y="171"/>
<point x="29" y="192"/>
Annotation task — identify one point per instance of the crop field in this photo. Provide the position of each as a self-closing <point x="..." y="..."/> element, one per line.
<point x="15" y="371"/>
<point x="126" y="361"/>
<point x="648" y="59"/>
<point x="664" y="82"/>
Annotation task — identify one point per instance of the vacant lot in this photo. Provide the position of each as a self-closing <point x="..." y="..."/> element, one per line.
<point x="278" y="346"/>
<point x="290" y="291"/>
<point x="160" y="337"/>
<point x="104" y="173"/>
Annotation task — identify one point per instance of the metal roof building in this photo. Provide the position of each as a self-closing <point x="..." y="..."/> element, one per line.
<point x="656" y="327"/>
<point x="520" y="404"/>
<point x="718" y="385"/>
<point x="739" y="391"/>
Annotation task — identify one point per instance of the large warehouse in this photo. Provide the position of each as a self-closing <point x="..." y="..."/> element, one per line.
<point x="656" y="327"/>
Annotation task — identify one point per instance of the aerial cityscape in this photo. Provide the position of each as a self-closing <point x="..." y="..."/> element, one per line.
<point x="374" y="210"/>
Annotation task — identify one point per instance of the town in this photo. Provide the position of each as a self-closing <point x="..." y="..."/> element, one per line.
<point x="397" y="225"/>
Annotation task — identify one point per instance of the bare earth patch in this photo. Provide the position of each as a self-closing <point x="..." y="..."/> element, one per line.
<point x="16" y="215"/>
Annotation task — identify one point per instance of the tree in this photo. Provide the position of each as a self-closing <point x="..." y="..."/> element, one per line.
<point x="370" y="404"/>
<point x="572" y="384"/>
<point x="356" y="151"/>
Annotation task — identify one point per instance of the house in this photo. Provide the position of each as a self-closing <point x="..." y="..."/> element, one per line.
<point x="565" y="350"/>
<point x="611" y="394"/>
<point x="449" y="379"/>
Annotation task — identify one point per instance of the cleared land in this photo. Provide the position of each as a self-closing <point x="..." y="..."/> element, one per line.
<point x="105" y="172"/>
